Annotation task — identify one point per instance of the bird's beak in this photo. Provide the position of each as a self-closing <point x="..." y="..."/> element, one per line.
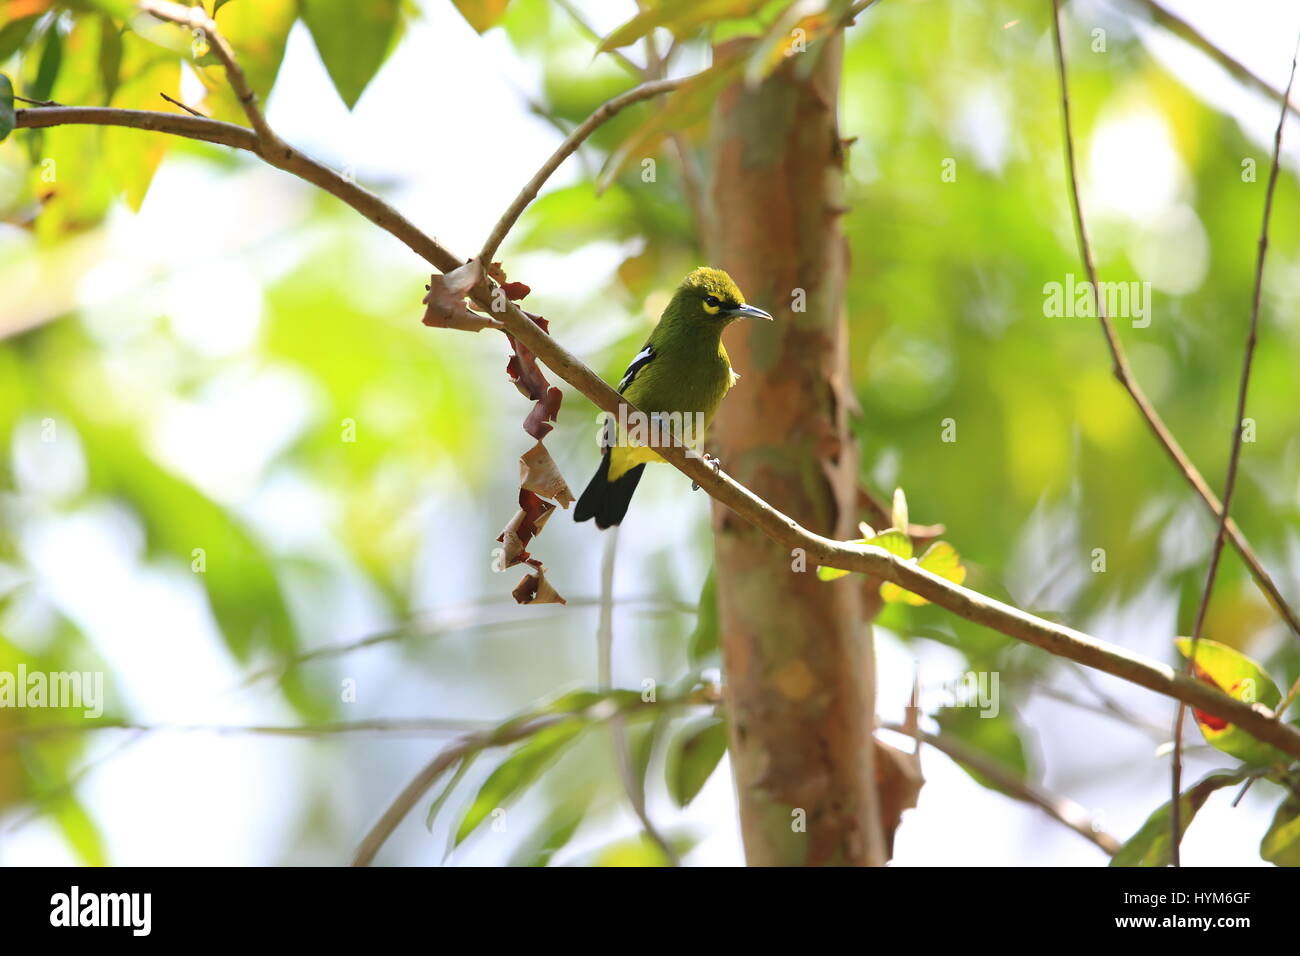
<point x="749" y="312"/>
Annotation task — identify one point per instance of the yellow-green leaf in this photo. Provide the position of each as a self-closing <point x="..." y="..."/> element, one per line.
<point x="7" y="118"/>
<point x="516" y="772"/>
<point x="353" y="39"/>
<point x="940" y="558"/>
<point x="697" y="754"/>
<point x="679" y="16"/>
<point x="1152" y="845"/>
<point x="1281" y="844"/>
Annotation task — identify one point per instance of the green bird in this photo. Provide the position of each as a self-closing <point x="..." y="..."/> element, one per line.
<point x="682" y="368"/>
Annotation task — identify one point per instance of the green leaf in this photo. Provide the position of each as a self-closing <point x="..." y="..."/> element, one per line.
<point x="1151" y="845"/>
<point x="516" y="772"/>
<point x="997" y="738"/>
<point x="940" y="558"/>
<point x="1241" y="678"/>
<point x="353" y="40"/>
<point x="642" y="742"/>
<point x="1281" y="844"/>
<point x="257" y="30"/>
<point x="14" y="34"/>
<point x="697" y="753"/>
<point x="466" y="762"/>
<point x="81" y="832"/>
<point x="704" y="639"/>
<point x="686" y="110"/>
<point x="640" y="851"/>
<point x="679" y="16"/>
<point x="482" y="15"/>
<point x="48" y="70"/>
<point x="552" y="836"/>
<point x="7" y="117"/>
<point x="900" y="510"/>
<point x="110" y="56"/>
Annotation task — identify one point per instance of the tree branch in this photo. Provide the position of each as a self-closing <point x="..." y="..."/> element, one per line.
<point x="196" y="19"/>
<point x="566" y="149"/>
<point x="1124" y="373"/>
<point x="1062" y="809"/>
<point x="1056" y="639"/>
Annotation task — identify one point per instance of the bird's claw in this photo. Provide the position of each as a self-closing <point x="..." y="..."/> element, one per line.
<point x="714" y="463"/>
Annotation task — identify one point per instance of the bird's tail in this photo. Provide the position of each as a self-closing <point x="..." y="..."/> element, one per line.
<point x="606" y="500"/>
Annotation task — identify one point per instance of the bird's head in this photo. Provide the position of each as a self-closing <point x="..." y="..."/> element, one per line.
<point x="712" y="295"/>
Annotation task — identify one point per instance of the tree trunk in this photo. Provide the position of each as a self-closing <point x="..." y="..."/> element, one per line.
<point x="797" y="651"/>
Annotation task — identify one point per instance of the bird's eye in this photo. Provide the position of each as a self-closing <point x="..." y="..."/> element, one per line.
<point x="712" y="300"/>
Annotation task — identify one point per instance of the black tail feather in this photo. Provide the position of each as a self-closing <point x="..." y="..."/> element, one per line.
<point x="606" y="500"/>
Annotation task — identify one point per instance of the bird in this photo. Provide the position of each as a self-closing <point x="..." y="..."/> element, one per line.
<point x="682" y="368"/>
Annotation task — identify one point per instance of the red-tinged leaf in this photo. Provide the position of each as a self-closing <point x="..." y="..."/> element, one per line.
<point x="515" y="290"/>
<point x="535" y="589"/>
<point x="544" y="412"/>
<point x="1243" y="679"/>
<point x="527" y="522"/>
<point x="539" y="474"/>
<point x="445" y="300"/>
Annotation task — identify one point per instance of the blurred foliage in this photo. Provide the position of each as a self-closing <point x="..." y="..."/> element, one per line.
<point x="1001" y="422"/>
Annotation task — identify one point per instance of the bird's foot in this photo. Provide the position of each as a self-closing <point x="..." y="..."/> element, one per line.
<point x="714" y="463"/>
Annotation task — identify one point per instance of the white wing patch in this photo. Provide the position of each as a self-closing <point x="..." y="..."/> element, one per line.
<point x="641" y="361"/>
<point x="735" y="377"/>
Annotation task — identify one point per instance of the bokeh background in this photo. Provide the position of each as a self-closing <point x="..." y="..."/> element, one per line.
<point x="189" y="339"/>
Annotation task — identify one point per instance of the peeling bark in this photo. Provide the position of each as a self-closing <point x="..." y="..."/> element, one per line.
<point x="797" y="652"/>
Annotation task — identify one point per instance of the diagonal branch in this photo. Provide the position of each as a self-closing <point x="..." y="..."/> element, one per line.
<point x="1185" y="31"/>
<point x="566" y="149"/>
<point x="1062" y="809"/>
<point x="1234" y="460"/>
<point x="1124" y="373"/>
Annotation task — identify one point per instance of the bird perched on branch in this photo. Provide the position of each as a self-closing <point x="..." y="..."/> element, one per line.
<point x="678" y="379"/>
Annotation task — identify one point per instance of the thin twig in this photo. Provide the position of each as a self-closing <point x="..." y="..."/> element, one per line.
<point x="1124" y="373"/>
<point x="386" y="725"/>
<point x="23" y="99"/>
<point x="1188" y="33"/>
<point x="566" y="149"/>
<point x="506" y="734"/>
<point x="618" y="724"/>
<point x="175" y="102"/>
<point x="1234" y="461"/>
<point x="1061" y="809"/>
<point x="196" y="19"/>
<point x="480" y="615"/>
